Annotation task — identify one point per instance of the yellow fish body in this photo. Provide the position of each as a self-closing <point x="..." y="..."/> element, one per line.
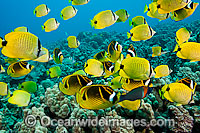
<point x="115" y="82"/>
<point x="167" y="6"/>
<point x="3" y="89"/>
<point x="131" y="105"/>
<point x="19" y="69"/>
<point x="189" y="50"/>
<point x="20" y="98"/>
<point x="182" y="35"/>
<point x="41" y="10"/>
<point x="184" y="12"/>
<point x="123" y="15"/>
<point x="141" y="32"/>
<point x="73" y="42"/>
<point x="29" y="86"/>
<point x="50" y="25"/>
<point x="153" y="12"/>
<point x="104" y="19"/>
<point x="79" y="2"/>
<point x="178" y="92"/>
<point x="138" y="20"/>
<point x="21" y="29"/>
<point x="114" y="51"/>
<point x="54" y="72"/>
<point x="157" y="51"/>
<point x="94" y="67"/>
<point x="68" y="12"/>
<point x="162" y="71"/>
<point x="136" y="68"/>
<point x="21" y="45"/>
<point x="73" y="83"/>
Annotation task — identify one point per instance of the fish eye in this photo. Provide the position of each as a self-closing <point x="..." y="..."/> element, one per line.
<point x="122" y="66"/>
<point x="126" y="80"/>
<point x="131" y="34"/>
<point x="95" y="22"/>
<point x="111" y="83"/>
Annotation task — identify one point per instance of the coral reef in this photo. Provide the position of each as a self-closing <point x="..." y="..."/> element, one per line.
<point x="183" y="120"/>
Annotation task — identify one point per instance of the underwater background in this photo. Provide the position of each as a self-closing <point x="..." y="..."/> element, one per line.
<point x="49" y="101"/>
<point x="20" y="13"/>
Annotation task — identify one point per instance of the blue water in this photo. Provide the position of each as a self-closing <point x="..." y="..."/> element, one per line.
<point x="15" y="13"/>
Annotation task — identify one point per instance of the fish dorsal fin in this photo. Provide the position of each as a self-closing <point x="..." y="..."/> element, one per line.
<point x="190" y="83"/>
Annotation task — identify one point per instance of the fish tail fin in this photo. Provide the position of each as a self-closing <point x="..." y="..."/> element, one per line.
<point x="176" y="48"/>
<point x="19" y="86"/>
<point x="43" y="27"/>
<point x="47" y="73"/>
<point x="146" y="8"/>
<point x="61" y="16"/>
<point x="109" y="83"/>
<point x="34" y="12"/>
<point x="172" y="15"/>
<point x="133" y="95"/>
<point x="128" y="35"/>
<point x="130" y="23"/>
<point x="92" y="23"/>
